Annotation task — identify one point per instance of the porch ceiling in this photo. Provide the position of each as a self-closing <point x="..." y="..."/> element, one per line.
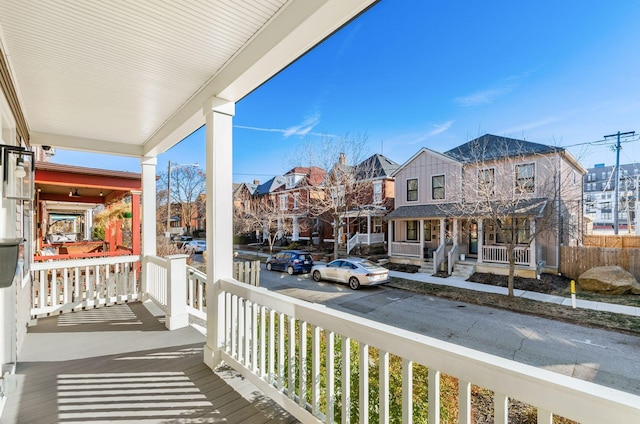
<point x="131" y="78"/>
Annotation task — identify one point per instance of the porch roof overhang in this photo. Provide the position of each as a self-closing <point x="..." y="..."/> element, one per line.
<point x="132" y="78"/>
<point x="528" y="207"/>
<point x="79" y="185"/>
<point x="366" y="211"/>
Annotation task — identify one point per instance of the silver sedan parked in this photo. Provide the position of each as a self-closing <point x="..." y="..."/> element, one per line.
<point x="352" y="271"/>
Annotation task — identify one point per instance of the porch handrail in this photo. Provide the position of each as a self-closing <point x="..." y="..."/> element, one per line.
<point x="352" y="242"/>
<point x="399" y="248"/>
<point x="498" y="254"/>
<point x="265" y="339"/>
<point x="67" y="285"/>
<point x="157" y="279"/>
<point x="438" y="257"/>
<point x="453" y="254"/>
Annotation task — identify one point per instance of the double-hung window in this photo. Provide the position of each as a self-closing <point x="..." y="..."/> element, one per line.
<point x="283" y="202"/>
<point x="412" y="230"/>
<point x="525" y="178"/>
<point x="486" y="181"/>
<point x="437" y="187"/>
<point x="377" y="192"/>
<point x="412" y="190"/>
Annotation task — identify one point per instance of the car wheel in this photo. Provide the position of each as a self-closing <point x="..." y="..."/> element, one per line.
<point x="354" y="284"/>
<point x="290" y="270"/>
<point x="316" y="276"/>
<point x="268" y="266"/>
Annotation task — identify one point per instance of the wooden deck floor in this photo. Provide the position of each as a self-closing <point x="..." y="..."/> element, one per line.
<point x="119" y="364"/>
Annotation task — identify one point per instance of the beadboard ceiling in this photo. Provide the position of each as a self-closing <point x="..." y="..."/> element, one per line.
<point x="131" y="77"/>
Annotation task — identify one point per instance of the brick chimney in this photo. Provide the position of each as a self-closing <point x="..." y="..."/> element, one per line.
<point x="256" y="182"/>
<point x="343" y="159"/>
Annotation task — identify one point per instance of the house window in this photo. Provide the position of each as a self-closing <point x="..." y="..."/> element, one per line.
<point x="520" y="231"/>
<point x="437" y="187"/>
<point x="486" y="181"/>
<point x="525" y="178"/>
<point x="412" y="230"/>
<point x="377" y="192"/>
<point x="283" y="202"/>
<point x="295" y="200"/>
<point x="412" y="190"/>
<point x="337" y="196"/>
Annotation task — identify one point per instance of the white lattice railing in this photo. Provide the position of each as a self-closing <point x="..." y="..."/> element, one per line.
<point x="498" y="254"/>
<point x="309" y="358"/>
<point x="399" y="248"/>
<point x="62" y="286"/>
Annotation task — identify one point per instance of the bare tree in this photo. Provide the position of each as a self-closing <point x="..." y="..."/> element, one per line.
<point x="262" y="216"/>
<point x="523" y="192"/>
<point x="346" y="187"/>
<point x="187" y="184"/>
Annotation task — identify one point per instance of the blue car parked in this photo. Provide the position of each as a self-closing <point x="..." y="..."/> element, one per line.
<point x="292" y="261"/>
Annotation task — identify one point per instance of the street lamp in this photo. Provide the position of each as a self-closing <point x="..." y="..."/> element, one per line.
<point x="169" y="168"/>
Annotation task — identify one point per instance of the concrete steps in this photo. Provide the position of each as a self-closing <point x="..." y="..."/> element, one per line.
<point x="463" y="269"/>
<point x="427" y="267"/>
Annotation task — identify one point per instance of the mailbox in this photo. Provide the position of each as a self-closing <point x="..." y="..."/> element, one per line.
<point x="9" y="255"/>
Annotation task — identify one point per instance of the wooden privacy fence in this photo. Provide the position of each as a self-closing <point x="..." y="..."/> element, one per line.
<point x="247" y="272"/>
<point x="577" y="259"/>
<point x="623" y="241"/>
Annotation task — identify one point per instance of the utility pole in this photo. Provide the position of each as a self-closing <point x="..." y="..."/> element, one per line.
<point x="169" y="200"/>
<point x="617" y="176"/>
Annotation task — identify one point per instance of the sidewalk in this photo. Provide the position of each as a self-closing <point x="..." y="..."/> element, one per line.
<point x="559" y="300"/>
<point x="461" y="283"/>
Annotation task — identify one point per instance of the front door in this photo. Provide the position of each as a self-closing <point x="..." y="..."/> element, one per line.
<point x="473" y="238"/>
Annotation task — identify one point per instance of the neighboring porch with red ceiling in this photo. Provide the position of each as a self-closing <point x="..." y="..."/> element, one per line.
<point x="74" y="190"/>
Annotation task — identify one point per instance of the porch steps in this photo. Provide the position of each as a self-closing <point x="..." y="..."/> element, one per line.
<point x="427" y="267"/>
<point x="463" y="269"/>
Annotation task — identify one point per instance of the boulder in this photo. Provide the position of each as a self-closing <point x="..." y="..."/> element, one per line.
<point x="608" y="280"/>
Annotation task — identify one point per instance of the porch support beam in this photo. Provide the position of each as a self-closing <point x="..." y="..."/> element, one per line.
<point x="422" y="239"/>
<point x="532" y="247"/>
<point x="219" y="119"/>
<point x="455" y="231"/>
<point x="390" y="228"/>
<point x="442" y="233"/>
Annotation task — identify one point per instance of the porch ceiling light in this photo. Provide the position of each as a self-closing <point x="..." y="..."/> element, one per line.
<point x="18" y="169"/>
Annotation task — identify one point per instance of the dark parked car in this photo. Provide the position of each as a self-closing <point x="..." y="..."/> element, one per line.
<point x="292" y="261"/>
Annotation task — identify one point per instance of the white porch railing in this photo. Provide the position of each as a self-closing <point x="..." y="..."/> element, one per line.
<point x="438" y="257"/>
<point x="366" y="239"/>
<point x="452" y="255"/>
<point x="62" y="286"/>
<point x="498" y="254"/>
<point x="308" y="358"/>
<point x="196" y="293"/>
<point x="157" y="280"/>
<point x="399" y="248"/>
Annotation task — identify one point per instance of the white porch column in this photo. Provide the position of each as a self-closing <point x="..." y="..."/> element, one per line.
<point x="296" y="231"/>
<point x="148" y="165"/>
<point x="369" y="229"/>
<point x="390" y="226"/>
<point x="421" y="238"/>
<point x="279" y="234"/>
<point x="532" y="247"/>
<point x="442" y="233"/>
<point x="88" y="224"/>
<point x="219" y="116"/>
<point x="455" y="231"/>
<point x="480" y="239"/>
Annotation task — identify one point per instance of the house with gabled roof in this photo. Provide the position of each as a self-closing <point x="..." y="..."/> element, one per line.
<point x="474" y="200"/>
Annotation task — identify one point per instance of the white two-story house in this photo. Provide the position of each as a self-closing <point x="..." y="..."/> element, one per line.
<point x="477" y="199"/>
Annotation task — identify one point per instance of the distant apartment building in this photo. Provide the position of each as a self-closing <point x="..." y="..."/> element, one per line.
<point x="599" y="197"/>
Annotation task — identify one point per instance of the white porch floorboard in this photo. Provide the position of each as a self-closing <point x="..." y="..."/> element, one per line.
<point x="119" y="364"/>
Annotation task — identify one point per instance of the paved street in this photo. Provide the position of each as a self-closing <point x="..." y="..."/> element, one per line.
<point x="606" y="358"/>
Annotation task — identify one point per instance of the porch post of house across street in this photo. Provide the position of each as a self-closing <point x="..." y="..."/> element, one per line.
<point x="296" y="233"/>
<point x="422" y="239"/>
<point x="369" y="229"/>
<point x="455" y="231"/>
<point x="443" y="235"/>
<point x="480" y="239"/>
<point x="148" y="165"/>
<point x="390" y="227"/>
<point x="532" y="247"/>
<point x="135" y="222"/>
<point x="219" y="119"/>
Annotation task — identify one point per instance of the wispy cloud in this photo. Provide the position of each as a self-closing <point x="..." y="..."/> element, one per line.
<point x="490" y="94"/>
<point x="439" y="128"/>
<point x="300" y="130"/>
<point x="528" y="126"/>
<point x="484" y="97"/>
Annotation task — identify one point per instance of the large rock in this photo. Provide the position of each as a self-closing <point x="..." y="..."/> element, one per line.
<point x="608" y="280"/>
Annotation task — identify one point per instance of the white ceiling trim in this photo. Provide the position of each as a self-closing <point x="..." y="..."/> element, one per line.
<point x="296" y="29"/>
<point x="85" y="144"/>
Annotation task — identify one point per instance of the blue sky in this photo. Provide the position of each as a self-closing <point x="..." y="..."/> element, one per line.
<point x="415" y="73"/>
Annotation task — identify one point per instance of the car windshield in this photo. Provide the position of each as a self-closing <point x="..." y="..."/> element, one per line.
<point x="368" y="264"/>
